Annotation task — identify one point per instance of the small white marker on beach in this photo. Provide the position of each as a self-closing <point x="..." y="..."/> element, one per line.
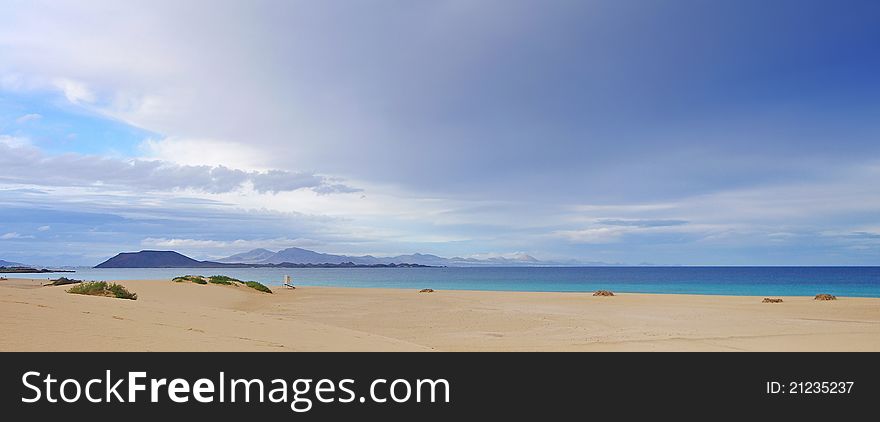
<point x="287" y="282"/>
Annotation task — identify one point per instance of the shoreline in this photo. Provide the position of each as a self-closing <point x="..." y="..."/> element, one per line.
<point x="278" y="285"/>
<point x="187" y="317"/>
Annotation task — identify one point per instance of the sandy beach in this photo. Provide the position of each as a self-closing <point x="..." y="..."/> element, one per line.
<point x="188" y="317"/>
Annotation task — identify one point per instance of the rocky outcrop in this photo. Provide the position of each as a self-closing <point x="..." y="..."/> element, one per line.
<point x="771" y="300"/>
<point x="603" y="293"/>
<point x="825" y="296"/>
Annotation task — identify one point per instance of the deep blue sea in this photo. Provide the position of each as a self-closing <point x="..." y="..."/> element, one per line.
<point x="749" y="281"/>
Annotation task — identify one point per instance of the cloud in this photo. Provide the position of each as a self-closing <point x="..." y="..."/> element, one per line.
<point x="864" y="236"/>
<point x="28" y="118"/>
<point x="204" y="152"/>
<point x="436" y="127"/>
<point x="13" y="141"/>
<point x="14" y="235"/>
<point x="28" y="165"/>
<point x="641" y="223"/>
<point x="44" y="228"/>
<point x="76" y="92"/>
<point x="428" y="108"/>
<point x="596" y="235"/>
<point x="227" y="245"/>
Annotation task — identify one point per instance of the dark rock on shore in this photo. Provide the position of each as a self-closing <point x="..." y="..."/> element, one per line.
<point x="603" y="293"/>
<point x="63" y="281"/>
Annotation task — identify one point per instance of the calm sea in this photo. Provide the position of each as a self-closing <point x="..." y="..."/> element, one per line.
<point x="757" y="281"/>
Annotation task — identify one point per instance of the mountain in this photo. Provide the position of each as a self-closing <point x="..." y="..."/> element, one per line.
<point x="299" y="257"/>
<point x="255" y="256"/>
<point x="305" y="256"/>
<point x="153" y="259"/>
<point x="171" y="259"/>
<point x="10" y="264"/>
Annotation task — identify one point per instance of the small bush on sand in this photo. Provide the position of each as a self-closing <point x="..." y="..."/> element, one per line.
<point x="119" y="291"/>
<point x="93" y="288"/>
<point x="191" y="278"/>
<point x="102" y="288"/>
<point x="222" y="279"/>
<point x="257" y="285"/>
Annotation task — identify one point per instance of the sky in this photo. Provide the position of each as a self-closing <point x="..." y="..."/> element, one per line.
<point x="678" y="132"/>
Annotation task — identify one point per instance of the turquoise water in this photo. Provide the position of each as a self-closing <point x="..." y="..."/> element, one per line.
<point x="748" y="281"/>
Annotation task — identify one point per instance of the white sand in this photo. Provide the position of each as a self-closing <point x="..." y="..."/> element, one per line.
<point x="189" y="317"/>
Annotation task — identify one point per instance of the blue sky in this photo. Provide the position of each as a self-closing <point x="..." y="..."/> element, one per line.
<point x="675" y="132"/>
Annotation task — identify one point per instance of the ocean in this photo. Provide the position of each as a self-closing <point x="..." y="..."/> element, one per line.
<point x="744" y="281"/>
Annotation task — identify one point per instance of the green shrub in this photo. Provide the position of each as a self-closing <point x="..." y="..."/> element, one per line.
<point x="121" y="292"/>
<point x="257" y="285"/>
<point x="191" y="278"/>
<point x="92" y="288"/>
<point x="222" y="279"/>
<point x="102" y="288"/>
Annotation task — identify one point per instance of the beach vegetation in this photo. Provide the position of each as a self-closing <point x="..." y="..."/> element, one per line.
<point x="190" y="278"/>
<point x="102" y="288"/>
<point x="222" y="279"/>
<point x="258" y="286"/>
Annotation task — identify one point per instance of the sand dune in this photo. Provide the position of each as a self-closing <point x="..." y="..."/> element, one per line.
<point x="188" y="317"/>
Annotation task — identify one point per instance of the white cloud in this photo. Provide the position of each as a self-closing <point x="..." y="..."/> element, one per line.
<point x="44" y="228"/>
<point x="28" y="118"/>
<point x="24" y="164"/>
<point x="13" y="141"/>
<point x="227" y="245"/>
<point x="594" y="235"/>
<point x="14" y="235"/>
<point x="204" y="152"/>
<point x="76" y="92"/>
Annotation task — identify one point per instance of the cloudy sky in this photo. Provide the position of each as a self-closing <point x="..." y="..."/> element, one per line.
<point x="667" y="132"/>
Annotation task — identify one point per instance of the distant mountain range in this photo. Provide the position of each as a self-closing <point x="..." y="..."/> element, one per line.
<point x="305" y="256"/>
<point x="10" y="264"/>
<point x="298" y="258"/>
<point x="171" y="259"/>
